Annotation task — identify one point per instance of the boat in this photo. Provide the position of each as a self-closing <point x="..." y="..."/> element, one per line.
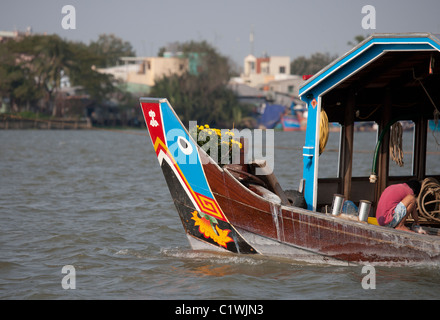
<point x="241" y="207"/>
<point x="296" y="120"/>
<point x="290" y="123"/>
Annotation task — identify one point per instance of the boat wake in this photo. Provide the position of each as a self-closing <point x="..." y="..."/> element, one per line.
<point x="210" y="256"/>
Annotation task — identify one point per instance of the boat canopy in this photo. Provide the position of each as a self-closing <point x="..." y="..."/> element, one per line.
<point x="385" y="78"/>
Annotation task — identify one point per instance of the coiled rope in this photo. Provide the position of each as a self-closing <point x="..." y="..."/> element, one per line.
<point x="428" y="200"/>
<point x="396" y="150"/>
<point x="323" y="132"/>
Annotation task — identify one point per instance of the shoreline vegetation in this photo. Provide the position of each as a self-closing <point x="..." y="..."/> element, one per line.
<point x="50" y="82"/>
<point x="15" y="122"/>
<point x="11" y="121"/>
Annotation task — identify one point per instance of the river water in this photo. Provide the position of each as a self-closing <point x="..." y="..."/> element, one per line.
<point x="97" y="201"/>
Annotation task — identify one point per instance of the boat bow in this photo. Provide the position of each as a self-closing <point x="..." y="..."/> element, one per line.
<point x="179" y="158"/>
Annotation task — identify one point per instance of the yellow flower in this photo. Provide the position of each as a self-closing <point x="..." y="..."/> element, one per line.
<point x="206" y="126"/>
<point x="237" y="143"/>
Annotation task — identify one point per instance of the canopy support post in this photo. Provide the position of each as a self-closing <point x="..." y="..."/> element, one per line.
<point x="383" y="161"/>
<point x="419" y="154"/>
<point x="347" y="145"/>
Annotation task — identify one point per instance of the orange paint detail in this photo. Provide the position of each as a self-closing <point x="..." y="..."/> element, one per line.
<point x="207" y="229"/>
<point x="208" y="205"/>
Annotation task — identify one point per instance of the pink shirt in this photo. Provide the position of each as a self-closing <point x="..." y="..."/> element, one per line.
<point x="388" y="201"/>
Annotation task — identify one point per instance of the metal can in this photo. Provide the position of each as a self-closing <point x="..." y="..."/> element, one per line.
<point x="338" y="202"/>
<point x="364" y="210"/>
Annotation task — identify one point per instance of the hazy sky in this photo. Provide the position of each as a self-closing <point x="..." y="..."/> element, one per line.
<point x="281" y="27"/>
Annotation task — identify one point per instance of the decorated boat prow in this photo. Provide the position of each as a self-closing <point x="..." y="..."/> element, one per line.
<point x="204" y="221"/>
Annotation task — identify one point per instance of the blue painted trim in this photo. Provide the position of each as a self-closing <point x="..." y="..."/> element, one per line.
<point x="189" y="164"/>
<point x="309" y="154"/>
<point x="372" y="49"/>
<point x="308" y="151"/>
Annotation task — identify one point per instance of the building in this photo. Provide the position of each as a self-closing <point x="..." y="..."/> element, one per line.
<point x="270" y="75"/>
<point x="258" y="71"/>
<point x="139" y="74"/>
<point x="287" y="86"/>
<point x="14" y="35"/>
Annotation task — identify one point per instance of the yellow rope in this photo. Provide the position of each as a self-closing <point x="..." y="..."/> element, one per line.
<point x="323" y="132"/>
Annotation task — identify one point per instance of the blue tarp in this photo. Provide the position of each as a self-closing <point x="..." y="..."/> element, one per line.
<point x="272" y="115"/>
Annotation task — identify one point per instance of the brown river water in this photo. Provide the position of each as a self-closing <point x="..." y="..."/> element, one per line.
<point x="96" y="200"/>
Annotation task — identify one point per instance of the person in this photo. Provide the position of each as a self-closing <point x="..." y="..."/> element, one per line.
<point x="397" y="202"/>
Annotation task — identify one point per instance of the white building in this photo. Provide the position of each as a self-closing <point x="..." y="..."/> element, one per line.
<point x="141" y="73"/>
<point x="259" y="71"/>
<point x="270" y="75"/>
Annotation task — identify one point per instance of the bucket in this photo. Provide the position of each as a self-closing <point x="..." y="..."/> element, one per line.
<point x="364" y="210"/>
<point x="338" y="202"/>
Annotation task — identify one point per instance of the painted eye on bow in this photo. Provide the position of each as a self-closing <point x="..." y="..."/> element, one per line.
<point x="184" y="145"/>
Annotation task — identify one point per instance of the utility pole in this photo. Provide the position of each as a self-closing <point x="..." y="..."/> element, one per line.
<point x="251" y="39"/>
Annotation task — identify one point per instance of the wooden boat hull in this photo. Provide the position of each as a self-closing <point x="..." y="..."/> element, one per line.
<point x="309" y="233"/>
<point x="223" y="235"/>
<point x="227" y="215"/>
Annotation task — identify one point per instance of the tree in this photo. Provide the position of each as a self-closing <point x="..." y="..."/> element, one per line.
<point x="41" y="60"/>
<point x="32" y="68"/>
<point x="16" y="83"/>
<point x="194" y="98"/>
<point x="110" y="48"/>
<point x="204" y="59"/>
<point x="311" y="65"/>
<point x="201" y="95"/>
<point x="98" y="85"/>
<point x="52" y="59"/>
